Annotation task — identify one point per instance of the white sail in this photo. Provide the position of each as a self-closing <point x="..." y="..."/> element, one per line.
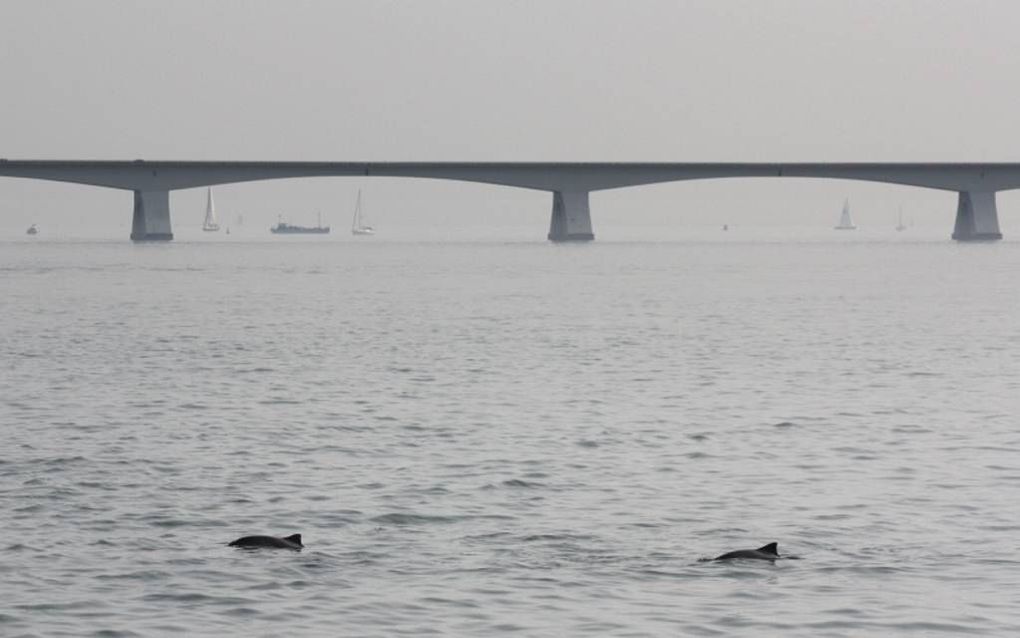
<point x="845" y="222"/>
<point x="358" y="225"/>
<point x="210" y="223"/>
<point x="899" y="224"/>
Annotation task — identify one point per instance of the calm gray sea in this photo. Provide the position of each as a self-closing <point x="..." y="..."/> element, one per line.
<point x="479" y="439"/>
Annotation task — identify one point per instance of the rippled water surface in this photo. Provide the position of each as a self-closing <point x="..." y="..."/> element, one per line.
<point x="521" y="438"/>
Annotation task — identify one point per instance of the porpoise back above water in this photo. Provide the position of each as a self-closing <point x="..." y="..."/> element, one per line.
<point x="268" y="542"/>
<point x="765" y="552"/>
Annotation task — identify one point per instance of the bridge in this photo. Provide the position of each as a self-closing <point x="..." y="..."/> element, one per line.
<point x="569" y="182"/>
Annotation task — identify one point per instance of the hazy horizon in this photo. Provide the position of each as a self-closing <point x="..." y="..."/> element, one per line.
<point x="514" y="81"/>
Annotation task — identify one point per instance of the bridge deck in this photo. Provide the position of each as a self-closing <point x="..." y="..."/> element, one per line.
<point x="550" y="176"/>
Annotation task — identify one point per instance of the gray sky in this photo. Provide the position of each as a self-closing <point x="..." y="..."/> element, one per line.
<point x="755" y="80"/>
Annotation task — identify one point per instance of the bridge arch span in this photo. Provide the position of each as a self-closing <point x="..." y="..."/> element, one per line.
<point x="569" y="182"/>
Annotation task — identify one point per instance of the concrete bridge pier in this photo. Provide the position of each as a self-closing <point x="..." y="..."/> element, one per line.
<point x="152" y="216"/>
<point x="571" y="217"/>
<point x="977" y="218"/>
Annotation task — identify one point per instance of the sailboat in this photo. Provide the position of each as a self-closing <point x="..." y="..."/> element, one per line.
<point x="845" y="223"/>
<point x="899" y="224"/>
<point x="358" y="225"/>
<point x="210" y="222"/>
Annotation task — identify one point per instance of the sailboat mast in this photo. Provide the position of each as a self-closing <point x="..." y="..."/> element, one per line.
<point x="356" y="222"/>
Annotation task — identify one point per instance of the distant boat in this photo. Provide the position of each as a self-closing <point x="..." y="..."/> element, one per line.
<point x="899" y="224"/>
<point x="32" y="230"/>
<point x="283" y="228"/>
<point x="358" y="225"/>
<point x="210" y="223"/>
<point x="845" y="223"/>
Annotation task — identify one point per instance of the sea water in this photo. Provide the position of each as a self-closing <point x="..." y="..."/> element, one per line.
<point x="515" y="438"/>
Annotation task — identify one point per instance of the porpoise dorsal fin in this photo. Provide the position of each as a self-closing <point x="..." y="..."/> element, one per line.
<point x="296" y="539"/>
<point x="771" y="548"/>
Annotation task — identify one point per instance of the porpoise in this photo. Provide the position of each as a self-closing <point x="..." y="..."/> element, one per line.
<point x="765" y="552"/>
<point x="268" y="542"/>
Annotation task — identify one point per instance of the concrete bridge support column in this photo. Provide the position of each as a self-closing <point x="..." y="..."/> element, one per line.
<point x="571" y="217"/>
<point x="152" y="216"/>
<point x="977" y="218"/>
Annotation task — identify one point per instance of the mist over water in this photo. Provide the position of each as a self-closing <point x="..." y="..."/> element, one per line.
<point x="510" y="437"/>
